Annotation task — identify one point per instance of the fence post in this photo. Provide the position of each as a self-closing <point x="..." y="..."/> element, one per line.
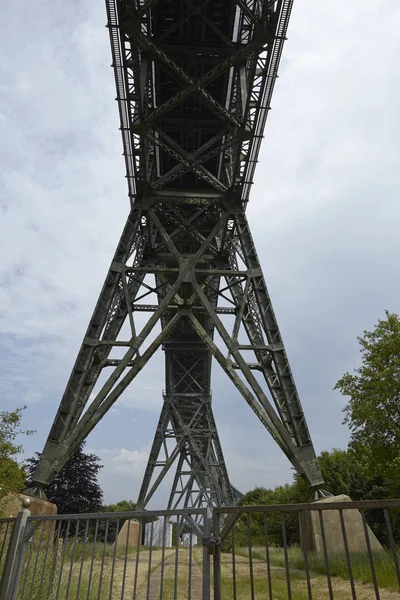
<point x="217" y="556"/>
<point x="13" y="565"/>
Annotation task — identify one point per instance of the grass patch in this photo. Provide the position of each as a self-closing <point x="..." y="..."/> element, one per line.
<point x="177" y="585"/>
<point x="85" y="571"/>
<point x="384" y="566"/>
<point x="89" y="572"/>
<point x="258" y="585"/>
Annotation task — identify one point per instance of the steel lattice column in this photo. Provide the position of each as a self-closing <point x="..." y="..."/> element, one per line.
<point x="194" y="83"/>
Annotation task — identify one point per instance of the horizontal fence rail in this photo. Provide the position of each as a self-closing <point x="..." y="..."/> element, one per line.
<point x="336" y="550"/>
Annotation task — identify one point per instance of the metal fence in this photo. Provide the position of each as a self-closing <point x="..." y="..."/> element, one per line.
<point x="308" y="551"/>
<point x="305" y="551"/>
<point x="6" y="530"/>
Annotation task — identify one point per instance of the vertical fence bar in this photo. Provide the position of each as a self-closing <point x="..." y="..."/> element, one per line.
<point x="217" y="557"/>
<point x="176" y="557"/>
<point x="392" y="544"/>
<point x="12" y="569"/>
<point x="304" y="549"/>
<point x="103" y="556"/>
<point x="250" y="551"/>
<point x="37" y="557"/>
<point x="190" y="565"/>
<point x="127" y="540"/>
<point x="150" y="557"/>
<point x="114" y="558"/>
<point x="325" y="549"/>
<point x="347" y="553"/>
<point x="163" y="556"/>
<point x="54" y="561"/>
<point x="206" y="555"/>
<point x="370" y="556"/>
<point x="234" y="563"/>
<point x="72" y="557"/>
<point x="82" y="558"/>
<point x="267" y="557"/>
<point x="63" y="557"/>
<point x="137" y="557"/>
<point x="96" y="532"/>
<point x="285" y="550"/>
<point x="48" y="544"/>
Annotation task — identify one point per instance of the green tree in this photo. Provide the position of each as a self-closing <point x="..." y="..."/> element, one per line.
<point x="75" y="489"/>
<point x="121" y="506"/>
<point x="12" y="475"/>
<point x="257" y="523"/>
<point x="344" y="472"/>
<point x="373" y="411"/>
<point x="111" y="527"/>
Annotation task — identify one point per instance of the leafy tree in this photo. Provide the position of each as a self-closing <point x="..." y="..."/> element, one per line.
<point x="344" y="472"/>
<point x="121" y="506"/>
<point x="284" y="494"/>
<point x="373" y="411"/>
<point x="75" y="489"/>
<point x="12" y="475"/>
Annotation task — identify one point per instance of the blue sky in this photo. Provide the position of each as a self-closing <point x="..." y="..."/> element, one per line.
<point x="324" y="212"/>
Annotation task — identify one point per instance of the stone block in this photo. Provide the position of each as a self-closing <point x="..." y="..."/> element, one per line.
<point x="12" y="504"/>
<point x="129" y="538"/>
<point x="311" y="536"/>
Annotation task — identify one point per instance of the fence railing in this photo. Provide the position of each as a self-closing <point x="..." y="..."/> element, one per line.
<point x="334" y="550"/>
<point x="318" y="550"/>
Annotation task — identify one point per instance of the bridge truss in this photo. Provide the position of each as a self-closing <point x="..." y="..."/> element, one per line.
<point x="194" y="81"/>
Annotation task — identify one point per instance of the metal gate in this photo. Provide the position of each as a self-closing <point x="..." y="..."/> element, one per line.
<point x="166" y="555"/>
<point x="105" y="556"/>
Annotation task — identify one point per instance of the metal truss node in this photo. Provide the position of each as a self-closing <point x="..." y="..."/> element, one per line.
<point x="194" y="82"/>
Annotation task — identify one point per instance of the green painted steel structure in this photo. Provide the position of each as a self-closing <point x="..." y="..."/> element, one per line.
<point x="194" y="81"/>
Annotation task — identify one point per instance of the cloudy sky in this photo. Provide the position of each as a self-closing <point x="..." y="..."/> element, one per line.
<point x="324" y="211"/>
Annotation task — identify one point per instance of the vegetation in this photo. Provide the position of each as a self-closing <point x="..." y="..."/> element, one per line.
<point x="83" y="571"/>
<point x="12" y="474"/>
<point x="373" y="411"/>
<point x="121" y="506"/>
<point x="360" y="565"/>
<point x="75" y="489"/>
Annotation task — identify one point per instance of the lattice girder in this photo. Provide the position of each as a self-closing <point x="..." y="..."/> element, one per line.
<point x="192" y="273"/>
<point x="194" y="82"/>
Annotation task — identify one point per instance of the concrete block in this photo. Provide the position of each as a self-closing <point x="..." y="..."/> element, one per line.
<point x="129" y="538"/>
<point x="12" y="504"/>
<point x="310" y="530"/>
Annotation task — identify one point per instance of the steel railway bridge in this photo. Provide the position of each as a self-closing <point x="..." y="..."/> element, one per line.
<point x="194" y="81"/>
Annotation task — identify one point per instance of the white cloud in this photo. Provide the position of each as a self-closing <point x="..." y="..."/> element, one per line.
<point x="121" y="460"/>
